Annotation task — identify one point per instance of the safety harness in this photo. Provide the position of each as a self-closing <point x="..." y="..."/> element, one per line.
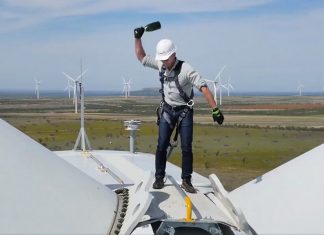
<point x="185" y="108"/>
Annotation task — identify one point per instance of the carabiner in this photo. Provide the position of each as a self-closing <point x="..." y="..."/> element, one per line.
<point x="190" y="103"/>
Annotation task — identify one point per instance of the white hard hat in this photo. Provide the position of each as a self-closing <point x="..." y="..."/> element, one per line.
<point x="164" y="49"/>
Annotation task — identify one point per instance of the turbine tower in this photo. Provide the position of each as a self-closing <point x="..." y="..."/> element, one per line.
<point x="37" y="84"/>
<point x="220" y="86"/>
<point x="75" y="88"/>
<point x="216" y="84"/>
<point x="299" y="88"/>
<point x="82" y="136"/>
<point x="126" y="88"/>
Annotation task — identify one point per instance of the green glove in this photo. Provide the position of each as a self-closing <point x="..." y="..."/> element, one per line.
<point x="217" y="116"/>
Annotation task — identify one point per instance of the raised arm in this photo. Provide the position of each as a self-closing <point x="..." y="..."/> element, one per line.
<point x="139" y="50"/>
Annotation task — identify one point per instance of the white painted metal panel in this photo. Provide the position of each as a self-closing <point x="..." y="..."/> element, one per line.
<point x="288" y="199"/>
<point x="127" y="166"/>
<point x="40" y="193"/>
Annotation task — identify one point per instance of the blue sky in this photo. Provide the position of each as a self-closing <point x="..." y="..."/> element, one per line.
<point x="267" y="45"/>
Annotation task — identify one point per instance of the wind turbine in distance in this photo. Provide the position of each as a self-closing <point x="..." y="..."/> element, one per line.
<point x="68" y="88"/>
<point x="37" y="84"/>
<point x="220" y="86"/>
<point x="299" y="88"/>
<point x="82" y="138"/>
<point x="126" y="88"/>
<point x="228" y="86"/>
<point x="216" y="84"/>
<point x="75" y="88"/>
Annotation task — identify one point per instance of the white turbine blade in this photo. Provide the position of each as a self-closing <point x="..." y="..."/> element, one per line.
<point x="220" y="80"/>
<point x="68" y="86"/>
<point x="228" y="83"/>
<point x="123" y="79"/>
<point x="220" y="72"/>
<point x="296" y="186"/>
<point x="68" y="77"/>
<point x="83" y="73"/>
<point x="54" y="199"/>
<point x="300" y="84"/>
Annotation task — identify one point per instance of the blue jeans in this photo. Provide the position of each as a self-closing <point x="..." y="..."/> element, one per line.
<point x="186" y="135"/>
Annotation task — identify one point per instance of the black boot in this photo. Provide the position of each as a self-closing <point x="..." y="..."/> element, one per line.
<point x="187" y="186"/>
<point x="158" y="184"/>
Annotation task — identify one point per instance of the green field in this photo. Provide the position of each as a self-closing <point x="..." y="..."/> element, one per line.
<point x="236" y="152"/>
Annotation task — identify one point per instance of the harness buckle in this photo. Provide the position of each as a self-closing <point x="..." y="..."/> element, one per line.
<point x="190" y="103"/>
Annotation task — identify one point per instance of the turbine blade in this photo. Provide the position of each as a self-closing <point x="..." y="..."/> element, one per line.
<point x="83" y="73"/>
<point x="68" y="77"/>
<point x="220" y="72"/>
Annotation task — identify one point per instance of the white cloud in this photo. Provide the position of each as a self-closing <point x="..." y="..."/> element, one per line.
<point x="165" y="6"/>
<point x="259" y="49"/>
<point x="44" y="4"/>
<point x="15" y="14"/>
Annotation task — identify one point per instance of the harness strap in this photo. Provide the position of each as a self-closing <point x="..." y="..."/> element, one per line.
<point x="161" y="75"/>
<point x="182" y="116"/>
<point x="183" y="95"/>
<point x="177" y="70"/>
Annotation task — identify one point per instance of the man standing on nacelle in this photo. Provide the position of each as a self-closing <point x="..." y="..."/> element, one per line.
<point x="177" y="81"/>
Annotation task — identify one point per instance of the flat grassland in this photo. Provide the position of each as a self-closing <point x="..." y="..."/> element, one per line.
<point x="259" y="133"/>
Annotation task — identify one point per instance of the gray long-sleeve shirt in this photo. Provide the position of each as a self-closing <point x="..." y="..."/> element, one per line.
<point x="188" y="78"/>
